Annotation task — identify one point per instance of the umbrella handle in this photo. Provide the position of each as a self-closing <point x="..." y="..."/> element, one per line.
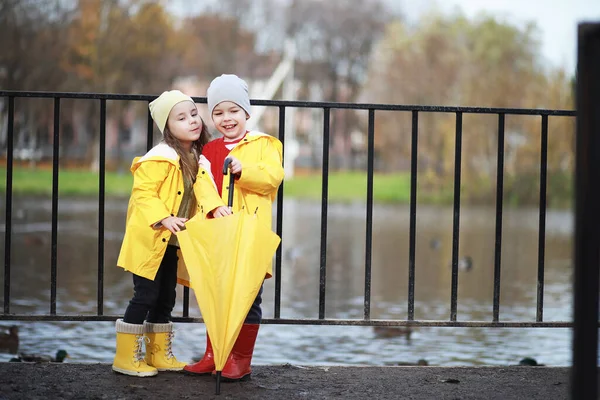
<point x="231" y="181"/>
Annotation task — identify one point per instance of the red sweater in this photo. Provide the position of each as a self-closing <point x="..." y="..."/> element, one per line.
<point x="216" y="152"/>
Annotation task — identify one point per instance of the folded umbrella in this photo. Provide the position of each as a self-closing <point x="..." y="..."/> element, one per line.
<point x="227" y="260"/>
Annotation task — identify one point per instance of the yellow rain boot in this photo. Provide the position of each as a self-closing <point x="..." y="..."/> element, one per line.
<point x="128" y="357"/>
<point x="158" y="350"/>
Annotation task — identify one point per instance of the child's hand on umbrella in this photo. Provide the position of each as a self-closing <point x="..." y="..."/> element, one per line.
<point x="221" y="211"/>
<point x="173" y="224"/>
<point x="235" y="167"/>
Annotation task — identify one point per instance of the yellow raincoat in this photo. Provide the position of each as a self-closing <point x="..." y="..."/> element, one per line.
<point x="156" y="194"/>
<point x="256" y="189"/>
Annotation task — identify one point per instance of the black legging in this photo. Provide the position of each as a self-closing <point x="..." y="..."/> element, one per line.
<point x="255" y="314"/>
<point x="154" y="300"/>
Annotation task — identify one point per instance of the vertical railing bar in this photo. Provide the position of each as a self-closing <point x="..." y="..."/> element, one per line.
<point x="413" y="216"/>
<point x="149" y="132"/>
<point x="101" y="203"/>
<point x="499" y="207"/>
<point x="8" y="210"/>
<point x="542" y="219"/>
<point x="324" y="208"/>
<point x="456" y="218"/>
<point x="54" y="240"/>
<point x="186" y="302"/>
<point x="369" y="216"/>
<point x="279" y="221"/>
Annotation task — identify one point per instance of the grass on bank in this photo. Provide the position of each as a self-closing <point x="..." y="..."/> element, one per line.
<point x="28" y="181"/>
<point x="343" y="187"/>
<point x="352" y="186"/>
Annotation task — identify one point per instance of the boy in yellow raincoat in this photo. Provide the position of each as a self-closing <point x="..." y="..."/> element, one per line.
<point x="163" y="197"/>
<point x="256" y="163"/>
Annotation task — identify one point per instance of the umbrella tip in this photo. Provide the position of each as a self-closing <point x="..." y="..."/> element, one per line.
<point x="218" y="382"/>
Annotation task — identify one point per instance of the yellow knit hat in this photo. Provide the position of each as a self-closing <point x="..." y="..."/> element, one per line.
<point x="162" y="105"/>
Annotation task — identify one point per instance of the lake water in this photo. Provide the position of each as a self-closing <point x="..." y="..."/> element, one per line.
<point x="318" y="345"/>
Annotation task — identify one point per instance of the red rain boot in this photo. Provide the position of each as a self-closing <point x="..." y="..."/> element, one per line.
<point x="204" y="366"/>
<point x="237" y="366"/>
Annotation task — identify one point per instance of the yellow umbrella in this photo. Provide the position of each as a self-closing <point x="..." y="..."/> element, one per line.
<point x="227" y="260"/>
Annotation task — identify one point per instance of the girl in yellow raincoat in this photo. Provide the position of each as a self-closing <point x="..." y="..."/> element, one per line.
<point x="163" y="197"/>
<point x="256" y="162"/>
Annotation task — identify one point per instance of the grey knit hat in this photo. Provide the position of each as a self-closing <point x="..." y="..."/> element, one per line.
<point x="228" y="88"/>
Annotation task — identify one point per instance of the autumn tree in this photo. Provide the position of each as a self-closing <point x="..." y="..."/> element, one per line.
<point x="215" y="45"/>
<point x="450" y="60"/>
<point x="120" y="47"/>
<point x="337" y="35"/>
<point x="263" y="18"/>
<point x="32" y="38"/>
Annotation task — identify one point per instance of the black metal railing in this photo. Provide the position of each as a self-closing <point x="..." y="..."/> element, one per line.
<point x="372" y="109"/>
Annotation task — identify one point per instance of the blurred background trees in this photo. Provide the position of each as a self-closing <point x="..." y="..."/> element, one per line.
<point x="346" y="50"/>
<point x="450" y="60"/>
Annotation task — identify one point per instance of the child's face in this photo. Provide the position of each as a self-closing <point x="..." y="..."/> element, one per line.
<point x="230" y="120"/>
<point x="185" y="123"/>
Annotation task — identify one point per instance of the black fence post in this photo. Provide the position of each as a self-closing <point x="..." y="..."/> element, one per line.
<point x="8" y="205"/>
<point x="279" y="220"/>
<point x="584" y="378"/>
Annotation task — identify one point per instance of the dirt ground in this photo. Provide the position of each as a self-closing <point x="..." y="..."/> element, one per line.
<point x="97" y="381"/>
